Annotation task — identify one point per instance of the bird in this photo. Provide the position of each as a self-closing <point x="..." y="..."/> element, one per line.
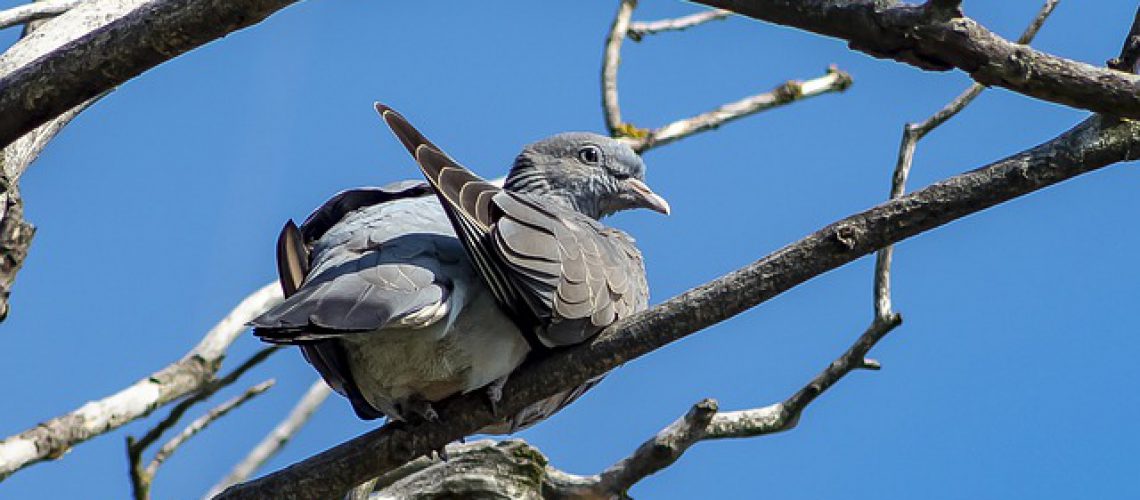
<point x="404" y="295"/>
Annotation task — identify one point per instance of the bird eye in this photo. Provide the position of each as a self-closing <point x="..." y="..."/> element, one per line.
<point x="589" y="155"/>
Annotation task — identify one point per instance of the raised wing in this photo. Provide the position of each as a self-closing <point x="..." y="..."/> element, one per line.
<point x="561" y="274"/>
<point x="466" y="198"/>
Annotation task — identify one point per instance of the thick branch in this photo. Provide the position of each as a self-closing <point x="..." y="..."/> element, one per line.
<point x="1093" y="144"/>
<point x="924" y="37"/>
<point x="792" y="91"/>
<point x="276" y="439"/>
<point x="113" y="41"/>
<point x="16" y="233"/>
<point x="35" y="10"/>
<point x="55" y="437"/>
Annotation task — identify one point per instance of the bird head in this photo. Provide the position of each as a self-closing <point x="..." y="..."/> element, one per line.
<point x="594" y="174"/>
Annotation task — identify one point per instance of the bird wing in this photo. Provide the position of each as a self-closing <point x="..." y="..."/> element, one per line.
<point x="341" y="204"/>
<point x="576" y="275"/>
<point x="562" y="273"/>
<point x="380" y="266"/>
<point x="327" y="357"/>
<point x="466" y="198"/>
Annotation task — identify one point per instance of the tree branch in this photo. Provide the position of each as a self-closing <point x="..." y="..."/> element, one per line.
<point x="52" y="439"/>
<point x="637" y="31"/>
<point x="136" y="447"/>
<point x="791" y="91"/>
<point x="922" y="36"/>
<point x="36" y="10"/>
<point x="1093" y="144"/>
<point x="276" y="439"/>
<point x="1130" y="52"/>
<point x="15" y="233"/>
<point x="15" y="238"/>
<point x="642" y="140"/>
<point x="105" y="44"/>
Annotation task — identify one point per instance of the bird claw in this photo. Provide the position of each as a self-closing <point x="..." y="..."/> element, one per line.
<point x="421" y="408"/>
<point x="495" y="394"/>
<point x="442" y="453"/>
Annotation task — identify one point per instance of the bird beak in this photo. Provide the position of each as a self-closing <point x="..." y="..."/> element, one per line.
<point x="647" y="197"/>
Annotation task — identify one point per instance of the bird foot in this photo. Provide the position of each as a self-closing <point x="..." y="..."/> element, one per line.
<point x="442" y="453"/>
<point x="495" y="394"/>
<point x="421" y="408"/>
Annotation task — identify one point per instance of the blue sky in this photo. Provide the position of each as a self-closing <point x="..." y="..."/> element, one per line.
<point x="1012" y="376"/>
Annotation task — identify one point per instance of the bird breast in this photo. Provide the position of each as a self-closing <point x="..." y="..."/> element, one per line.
<point x="397" y="364"/>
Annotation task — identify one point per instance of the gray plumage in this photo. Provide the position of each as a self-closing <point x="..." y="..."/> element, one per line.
<point x="399" y="298"/>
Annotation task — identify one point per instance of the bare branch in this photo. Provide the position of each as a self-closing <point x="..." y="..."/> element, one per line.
<point x="637" y="31"/>
<point x="276" y="439"/>
<point x="136" y="447"/>
<point x="922" y="37"/>
<point x="1093" y="144"/>
<point x="704" y="422"/>
<point x="792" y="91"/>
<point x="15" y="233"/>
<point x="201" y="422"/>
<point x="912" y="133"/>
<point x="112" y="42"/>
<point x="610" y="62"/>
<point x="787" y="414"/>
<point x="55" y="437"/>
<point x="35" y="10"/>
<point x="143" y="478"/>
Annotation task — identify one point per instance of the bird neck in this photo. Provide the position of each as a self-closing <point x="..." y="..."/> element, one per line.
<point x="525" y="178"/>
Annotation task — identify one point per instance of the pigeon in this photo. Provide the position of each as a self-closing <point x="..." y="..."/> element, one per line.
<point x="404" y="295"/>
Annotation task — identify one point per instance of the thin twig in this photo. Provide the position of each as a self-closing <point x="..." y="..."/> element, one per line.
<point x="136" y="447"/>
<point x="642" y="140"/>
<point x="143" y="478"/>
<point x="705" y="422"/>
<point x="610" y="62"/>
<point x="791" y="91"/>
<point x="201" y="422"/>
<point x="914" y="132"/>
<point x="26" y="13"/>
<point x="276" y="439"/>
<point x="637" y="31"/>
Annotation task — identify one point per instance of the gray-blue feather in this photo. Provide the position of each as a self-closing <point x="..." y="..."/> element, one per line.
<point x="408" y="298"/>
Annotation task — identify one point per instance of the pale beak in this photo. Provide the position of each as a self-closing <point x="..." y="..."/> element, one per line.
<point x="647" y="197"/>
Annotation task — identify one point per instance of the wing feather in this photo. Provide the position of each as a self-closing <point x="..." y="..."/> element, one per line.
<point x="558" y="272"/>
